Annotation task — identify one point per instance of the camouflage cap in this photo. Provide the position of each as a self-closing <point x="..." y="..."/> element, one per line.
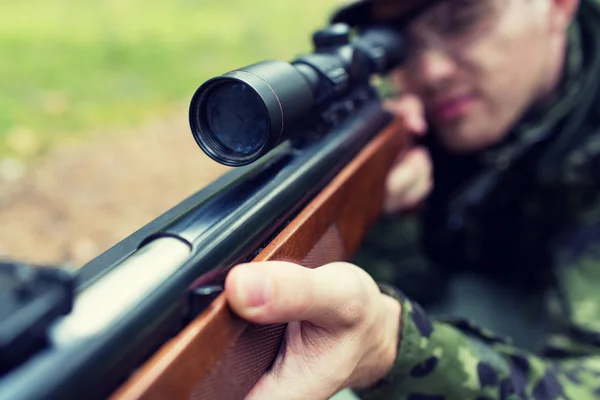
<point x="368" y="12"/>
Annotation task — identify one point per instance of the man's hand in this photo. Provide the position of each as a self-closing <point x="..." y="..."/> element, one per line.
<point x="410" y="179"/>
<point x="342" y="331"/>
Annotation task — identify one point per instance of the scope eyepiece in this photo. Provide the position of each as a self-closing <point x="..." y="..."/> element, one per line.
<point x="238" y="117"/>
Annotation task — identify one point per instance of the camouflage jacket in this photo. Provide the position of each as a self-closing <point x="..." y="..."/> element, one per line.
<point x="529" y="208"/>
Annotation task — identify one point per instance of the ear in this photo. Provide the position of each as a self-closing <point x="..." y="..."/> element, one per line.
<point x="562" y="13"/>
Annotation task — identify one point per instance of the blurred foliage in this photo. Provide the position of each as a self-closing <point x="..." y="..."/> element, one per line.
<point x="69" y="67"/>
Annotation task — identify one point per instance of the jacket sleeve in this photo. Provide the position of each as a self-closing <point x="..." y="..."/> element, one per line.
<point x="455" y="360"/>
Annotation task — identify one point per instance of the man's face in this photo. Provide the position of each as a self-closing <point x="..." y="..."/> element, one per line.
<point x="478" y="65"/>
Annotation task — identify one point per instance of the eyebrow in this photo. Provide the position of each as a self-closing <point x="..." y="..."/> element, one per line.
<point x="414" y="13"/>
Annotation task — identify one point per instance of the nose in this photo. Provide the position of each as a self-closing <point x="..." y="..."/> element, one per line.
<point x="432" y="66"/>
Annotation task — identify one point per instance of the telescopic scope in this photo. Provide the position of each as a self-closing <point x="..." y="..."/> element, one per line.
<point x="238" y="117"/>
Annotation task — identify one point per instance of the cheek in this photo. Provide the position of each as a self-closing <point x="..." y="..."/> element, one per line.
<point x="505" y="71"/>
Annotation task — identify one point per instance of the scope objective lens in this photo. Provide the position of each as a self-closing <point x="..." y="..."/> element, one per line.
<point x="237" y="118"/>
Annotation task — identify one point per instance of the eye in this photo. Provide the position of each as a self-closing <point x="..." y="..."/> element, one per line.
<point x="460" y="17"/>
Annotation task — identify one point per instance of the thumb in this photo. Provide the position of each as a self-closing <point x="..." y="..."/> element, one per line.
<point x="278" y="292"/>
<point x="409" y="108"/>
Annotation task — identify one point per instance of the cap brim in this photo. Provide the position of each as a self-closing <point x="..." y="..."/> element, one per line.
<point x="355" y="14"/>
<point x="362" y="12"/>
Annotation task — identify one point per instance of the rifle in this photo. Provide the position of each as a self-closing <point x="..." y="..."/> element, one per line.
<point x="147" y="318"/>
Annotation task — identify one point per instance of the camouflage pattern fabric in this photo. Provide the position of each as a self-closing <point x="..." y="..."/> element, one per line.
<point x="527" y="211"/>
<point x="444" y="360"/>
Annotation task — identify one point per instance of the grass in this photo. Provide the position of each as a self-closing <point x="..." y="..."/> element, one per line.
<point x="69" y="67"/>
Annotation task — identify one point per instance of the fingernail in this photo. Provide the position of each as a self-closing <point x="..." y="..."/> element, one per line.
<point x="254" y="287"/>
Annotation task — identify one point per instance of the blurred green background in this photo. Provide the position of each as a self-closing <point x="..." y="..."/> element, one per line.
<point x="71" y="67"/>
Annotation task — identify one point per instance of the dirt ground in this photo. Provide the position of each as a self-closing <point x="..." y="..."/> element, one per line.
<point x="80" y="199"/>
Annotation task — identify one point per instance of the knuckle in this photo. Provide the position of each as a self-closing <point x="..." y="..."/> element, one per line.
<point x="418" y="159"/>
<point x="423" y="163"/>
<point x="407" y="107"/>
<point x="358" y="293"/>
<point x="391" y="185"/>
<point x="353" y="313"/>
<point x="393" y="189"/>
<point x="400" y="175"/>
<point x="421" y="156"/>
<point x="403" y="164"/>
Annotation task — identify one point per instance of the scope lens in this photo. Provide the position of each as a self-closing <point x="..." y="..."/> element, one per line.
<point x="236" y="118"/>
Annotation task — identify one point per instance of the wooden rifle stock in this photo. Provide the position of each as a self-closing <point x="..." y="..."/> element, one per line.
<point x="220" y="356"/>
